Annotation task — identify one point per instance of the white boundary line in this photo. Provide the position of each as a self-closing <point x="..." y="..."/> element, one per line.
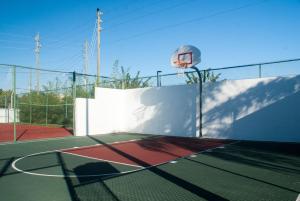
<point x="63" y="176"/>
<point x="60" y="138"/>
<point x="99" y="175"/>
<point x="100" y="159"/>
<point x="116" y="142"/>
<point x="38" y="140"/>
<point x="95" y="145"/>
<point x="298" y="198"/>
<point x="73" y="148"/>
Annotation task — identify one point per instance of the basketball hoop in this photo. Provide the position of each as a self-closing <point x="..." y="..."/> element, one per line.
<point x="184" y="57"/>
<point x="180" y="72"/>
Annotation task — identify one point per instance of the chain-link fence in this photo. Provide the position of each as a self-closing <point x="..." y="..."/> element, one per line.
<point x="38" y="104"/>
<point x="259" y="70"/>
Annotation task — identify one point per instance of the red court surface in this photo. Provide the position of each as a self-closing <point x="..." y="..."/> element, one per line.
<point x="148" y="152"/>
<point x="31" y="132"/>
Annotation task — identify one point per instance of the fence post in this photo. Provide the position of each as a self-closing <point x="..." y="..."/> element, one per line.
<point x="14" y="103"/>
<point x="6" y="109"/>
<point x="66" y="107"/>
<point x="74" y="101"/>
<point x="30" y="107"/>
<point x="259" y="70"/>
<point x="46" y="108"/>
<point x="158" y="78"/>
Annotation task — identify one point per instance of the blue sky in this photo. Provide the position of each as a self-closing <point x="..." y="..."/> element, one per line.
<point x="142" y="34"/>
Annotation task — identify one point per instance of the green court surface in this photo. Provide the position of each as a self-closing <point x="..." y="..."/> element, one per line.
<point x="243" y="170"/>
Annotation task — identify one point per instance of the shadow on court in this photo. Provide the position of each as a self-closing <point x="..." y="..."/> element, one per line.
<point x="6" y="165"/>
<point x="200" y="192"/>
<point x="86" y="169"/>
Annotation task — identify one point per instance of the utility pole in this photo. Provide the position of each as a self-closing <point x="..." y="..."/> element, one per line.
<point x="85" y="59"/>
<point x="30" y="81"/>
<point x="37" y="60"/>
<point x="98" y="45"/>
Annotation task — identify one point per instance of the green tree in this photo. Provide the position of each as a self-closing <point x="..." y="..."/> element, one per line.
<point x="122" y="79"/>
<point x="52" y="105"/>
<point x="5" y="98"/>
<point x="207" y="76"/>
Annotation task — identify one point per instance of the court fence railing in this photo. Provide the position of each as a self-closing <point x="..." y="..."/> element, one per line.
<point x="46" y="97"/>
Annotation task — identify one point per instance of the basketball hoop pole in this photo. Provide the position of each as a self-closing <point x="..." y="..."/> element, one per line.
<point x="200" y="99"/>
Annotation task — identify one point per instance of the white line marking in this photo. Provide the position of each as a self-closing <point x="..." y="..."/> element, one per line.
<point x="61" y="150"/>
<point x="95" y="145"/>
<point x="100" y="159"/>
<point x="63" y="176"/>
<point x="110" y="174"/>
<point x="298" y="198"/>
<point x="39" y="140"/>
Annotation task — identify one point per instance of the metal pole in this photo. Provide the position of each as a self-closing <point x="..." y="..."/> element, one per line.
<point x="85" y="57"/>
<point x="30" y="108"/>
<point x="66" y="107"/>
<point x="74" y="102"/>
<point x="158" y="78"/>
<point x="6" y="109"/>
<point x="259" y="68"/>
<point x="14" y="104"/>
<point x="200" y="99"/>
<point x="46" y="109"/>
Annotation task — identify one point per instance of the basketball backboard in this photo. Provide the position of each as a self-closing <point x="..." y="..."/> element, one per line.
<point x="186" y="56"/>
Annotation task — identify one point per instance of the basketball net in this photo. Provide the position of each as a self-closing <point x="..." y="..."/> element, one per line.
<point x="180" y="70"/>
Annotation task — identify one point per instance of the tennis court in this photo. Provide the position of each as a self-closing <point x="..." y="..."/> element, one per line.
<point x="31" y="132"/>
<point x="127" y="166"/>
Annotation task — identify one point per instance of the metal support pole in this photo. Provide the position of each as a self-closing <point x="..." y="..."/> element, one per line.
<point x="30" y="107"/>
<point x="158" y="78"/>
<point x="200" y="99"/>
<point x="6" y="109"/>
<point x="259" y="69"/>
<point x="14" y="103"/>
<point x="74" y="101"/>
<point x="66" y="107"/>
<point x="46" y="109"/>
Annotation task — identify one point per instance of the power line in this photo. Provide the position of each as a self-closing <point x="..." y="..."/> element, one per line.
<point x="189" y="21"/>
<point x="77" y="28"/>
<point x="148" y="14"/>
<point x="16" y="48"/>
<point x="152" y="3"/>
<point x="10" y="41"/>
<point x="93" y="41"/>
<point x="16" y="35"/>
<point x="65" y="58"/>
<point x="73" y="63"/>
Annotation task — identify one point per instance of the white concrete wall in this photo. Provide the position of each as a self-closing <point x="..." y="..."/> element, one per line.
<point x="7" y="115"/>
<point x="161" y="110"/>
<point x="102" y="114"/>
<point x="253" y="109"/>
<point x="148" y="110"/>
